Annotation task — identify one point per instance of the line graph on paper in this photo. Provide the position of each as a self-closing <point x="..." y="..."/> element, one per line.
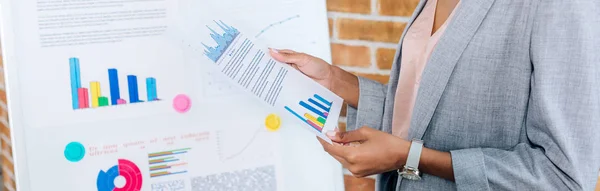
<point x="276" y="24"/>
<point x="216" y="86"/>
<point x="247" y="145"/>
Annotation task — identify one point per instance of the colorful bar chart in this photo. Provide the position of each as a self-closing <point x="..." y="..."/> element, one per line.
<point x="92" y="97"/>
<point x="167" y="163"/>
<point x="316" y="111"/>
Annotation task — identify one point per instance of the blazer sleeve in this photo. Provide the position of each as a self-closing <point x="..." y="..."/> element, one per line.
<point x="562" y="126"/>
<point x="370" y="106"/>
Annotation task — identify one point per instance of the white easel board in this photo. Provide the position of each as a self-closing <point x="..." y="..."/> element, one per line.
<point x="97" y="93"/>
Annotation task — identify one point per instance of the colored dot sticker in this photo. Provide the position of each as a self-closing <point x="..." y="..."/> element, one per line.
<point x="74" y="152"/>
<point x="273" y="123"/>
<point x="182" y="103"/>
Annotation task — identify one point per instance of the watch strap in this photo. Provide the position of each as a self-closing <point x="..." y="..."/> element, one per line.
<point x="414" y="154"/>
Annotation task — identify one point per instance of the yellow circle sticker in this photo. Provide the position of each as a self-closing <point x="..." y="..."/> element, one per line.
<point x="273" y="123"/>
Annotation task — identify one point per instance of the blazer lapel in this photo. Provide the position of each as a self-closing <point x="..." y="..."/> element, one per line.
<point x="461" y="29"/>
<point x="394" y="75"/>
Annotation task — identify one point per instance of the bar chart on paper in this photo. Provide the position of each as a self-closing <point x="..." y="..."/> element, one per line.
<point x="166" y="163"/>
<point x="93" y="97"/>
<point x="316" y="111"/>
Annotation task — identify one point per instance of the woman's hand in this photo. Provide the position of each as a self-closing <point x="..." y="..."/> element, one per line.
<point x="367" y="151"/>
<point x="340" y="82"/>
<point x="311" y="66"/>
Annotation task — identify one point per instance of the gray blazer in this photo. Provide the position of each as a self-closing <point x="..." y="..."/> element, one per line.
<point x="512" y="90"/>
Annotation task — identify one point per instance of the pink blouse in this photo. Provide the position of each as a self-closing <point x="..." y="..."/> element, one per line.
<point x="416" y="48"/>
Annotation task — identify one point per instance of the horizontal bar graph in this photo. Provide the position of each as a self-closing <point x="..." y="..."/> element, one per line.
<point x="167" y="163"/>
<point x="93" y="97"/>
<point x="316" y="112"/>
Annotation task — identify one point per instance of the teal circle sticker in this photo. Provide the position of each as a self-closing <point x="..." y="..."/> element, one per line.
<point x="74" y="151"/>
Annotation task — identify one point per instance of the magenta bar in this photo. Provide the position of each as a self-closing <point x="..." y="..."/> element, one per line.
<point x="121" y="102"/>
<point x="84" y="100"/>
<point x="317" y="127"/>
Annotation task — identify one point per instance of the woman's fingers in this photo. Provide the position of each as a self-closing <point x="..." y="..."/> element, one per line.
<point x="337" y="150"/>
<point x="348" y="137"/>
<point x="278" y="55"/>
<point x="342" y="161"/>
<point x="284" y="51"/>
<point x="288" y="56"/>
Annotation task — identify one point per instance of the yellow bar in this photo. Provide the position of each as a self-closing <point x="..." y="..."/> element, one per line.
<point x="313" y="119"/>
<point x="95" y="90"/>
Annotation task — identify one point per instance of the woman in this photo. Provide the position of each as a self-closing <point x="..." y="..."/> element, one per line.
<point x="504" y="94"/>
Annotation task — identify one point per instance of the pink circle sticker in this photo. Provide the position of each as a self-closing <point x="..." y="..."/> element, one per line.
<point x="182" y="103"/>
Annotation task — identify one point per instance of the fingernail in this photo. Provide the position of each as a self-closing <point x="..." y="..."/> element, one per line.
<point x="331" y="133"/>
<point x="274" y="50"/>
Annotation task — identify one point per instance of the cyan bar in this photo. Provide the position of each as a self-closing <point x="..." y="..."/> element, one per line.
<point x="154" y="89"/>
<point x="151" y="89"/>
<point x="133" y="89"/>
<point x="294" y="113"/>
<point x="113" y="80"/>
<point x="75" y="81"/>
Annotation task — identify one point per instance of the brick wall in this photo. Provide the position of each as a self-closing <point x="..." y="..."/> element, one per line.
<point x="365" y="33"/>
<point x="5" y="144"/>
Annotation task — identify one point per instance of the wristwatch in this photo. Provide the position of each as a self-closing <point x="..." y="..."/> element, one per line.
<point x="411" y="168"/>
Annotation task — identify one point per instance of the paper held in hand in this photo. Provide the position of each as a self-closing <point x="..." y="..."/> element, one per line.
<point x="276" y="84"/>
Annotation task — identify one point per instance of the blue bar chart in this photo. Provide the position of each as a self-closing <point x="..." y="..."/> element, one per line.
<point x="92" y="97"/>
<point x="316" y="111"/>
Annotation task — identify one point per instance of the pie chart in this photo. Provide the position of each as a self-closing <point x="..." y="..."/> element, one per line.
<point x="125" y="169"/>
